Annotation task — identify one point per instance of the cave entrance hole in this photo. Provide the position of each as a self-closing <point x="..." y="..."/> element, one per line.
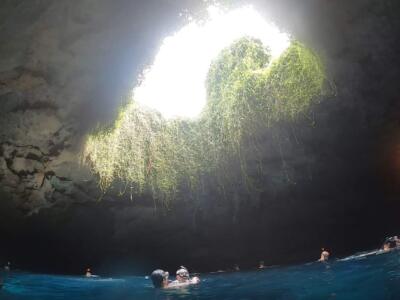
<point x="174" y="84"/>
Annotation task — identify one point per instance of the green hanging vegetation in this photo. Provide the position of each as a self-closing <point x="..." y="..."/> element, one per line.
<point x="246" y="93"/>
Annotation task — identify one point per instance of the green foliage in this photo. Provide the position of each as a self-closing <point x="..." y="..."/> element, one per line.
<point x="246" y="93"/>
<point x="234" y="91"/>
<point x="293" y="82"/>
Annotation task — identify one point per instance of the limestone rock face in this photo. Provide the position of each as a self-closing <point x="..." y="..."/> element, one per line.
<point x="63" y="69"/>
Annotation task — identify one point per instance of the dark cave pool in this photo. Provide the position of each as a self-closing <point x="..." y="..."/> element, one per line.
<point x="361" y="276"/>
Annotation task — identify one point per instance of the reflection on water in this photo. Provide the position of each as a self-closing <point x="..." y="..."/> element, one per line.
<point x="363" y="276"/>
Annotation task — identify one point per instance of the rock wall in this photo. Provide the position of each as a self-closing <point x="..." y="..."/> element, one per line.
<point x="63" y="68"/>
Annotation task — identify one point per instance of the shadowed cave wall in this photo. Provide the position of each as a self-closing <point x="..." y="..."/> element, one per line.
<point x="332" y="181"/>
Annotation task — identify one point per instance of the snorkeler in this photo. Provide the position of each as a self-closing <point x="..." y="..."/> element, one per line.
<point x="160" y="279"/>
<point x="89" y="273"/>
<point x="394" y="241"/>
<point x="261" y="265"/>
<point x="324" y="255"/>
<point x="183" y="278"/>
<point x="386" y="247"/>
<point x="182" y="275"/>
<point x="7" y="267"/>
<point x="391" y="243"/>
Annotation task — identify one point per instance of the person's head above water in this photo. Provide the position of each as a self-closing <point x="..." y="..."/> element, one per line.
<point x="324" y="255"/>
<point x="159" y="278"/>
<point x="7" y="266"/>
<point x="182" y="274"/>
<point x="386" y="246"/>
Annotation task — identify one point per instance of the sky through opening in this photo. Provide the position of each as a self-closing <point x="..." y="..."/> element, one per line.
<point x="175" y="83"/>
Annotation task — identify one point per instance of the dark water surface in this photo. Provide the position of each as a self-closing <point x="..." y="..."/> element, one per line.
<point x="357" y="277"/>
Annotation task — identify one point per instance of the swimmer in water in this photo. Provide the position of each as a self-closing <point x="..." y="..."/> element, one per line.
<point x="183" y="278"/>
<point x="160" y="279"/>
<point x="7" y="267"/>
<point x="261" y="265"/>
<point x="182" y="275"/>
<point x="88" y="273"/>
<point x="324" y="255"/>
<point x="391" y="243"/>
<point x="386" y="247"/>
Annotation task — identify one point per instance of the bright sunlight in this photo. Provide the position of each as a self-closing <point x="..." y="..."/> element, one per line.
<point x="175" y="84"/>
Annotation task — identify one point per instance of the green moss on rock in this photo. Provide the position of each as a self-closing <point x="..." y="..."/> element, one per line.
<point x="246" y="93"/>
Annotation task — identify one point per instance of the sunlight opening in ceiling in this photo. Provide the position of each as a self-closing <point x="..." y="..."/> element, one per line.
<point x="175" y="84"/>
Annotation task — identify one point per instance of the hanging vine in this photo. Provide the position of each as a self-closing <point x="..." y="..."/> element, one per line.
<point x="246" y="93"/>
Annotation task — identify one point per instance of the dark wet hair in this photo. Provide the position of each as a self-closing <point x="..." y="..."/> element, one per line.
<point x="157" y="278"/>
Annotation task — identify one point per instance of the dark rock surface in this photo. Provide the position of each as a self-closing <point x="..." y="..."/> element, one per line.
<point x="329" y="181"/>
